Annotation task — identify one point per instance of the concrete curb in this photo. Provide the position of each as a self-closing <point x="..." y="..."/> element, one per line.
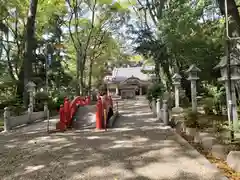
<point x="204" y="161"/>
<point x="113" y="119"/>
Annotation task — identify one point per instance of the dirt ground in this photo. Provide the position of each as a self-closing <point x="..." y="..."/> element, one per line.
<point x="138" y="148"/>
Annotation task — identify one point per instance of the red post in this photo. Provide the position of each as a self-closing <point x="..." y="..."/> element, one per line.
<point x="88" y="100"/>
<point x="66" y="110"/>
<point x="99" y="114"/>
<point x="61" y="113"/>
<point x="105" y="110"/>
<point x="61" y="124"/>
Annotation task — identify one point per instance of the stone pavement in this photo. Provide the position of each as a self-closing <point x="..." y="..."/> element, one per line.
<point x="139" y="148"/>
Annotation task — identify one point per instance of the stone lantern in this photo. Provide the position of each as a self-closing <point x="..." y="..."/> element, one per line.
<point x="235" y="76"/>
<point x="31" y="88"/>
<point x="176" y="82"/>
<point x="193" y="77"/>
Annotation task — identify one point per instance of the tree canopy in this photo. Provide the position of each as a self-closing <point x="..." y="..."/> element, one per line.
<point x="75" y="40"/>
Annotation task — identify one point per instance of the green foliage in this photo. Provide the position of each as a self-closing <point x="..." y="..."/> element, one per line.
<point x="59" y="99"/>
<point x="208" y="105"/>
<point x="217" y="97"/>
<point x="41" y="96"/>
<point x="40" y="99"/>
<point x="187" y="32"/>
<point x="191" y="119"/>
<point x="155" y="91"/>
<point x="15" y="105"/>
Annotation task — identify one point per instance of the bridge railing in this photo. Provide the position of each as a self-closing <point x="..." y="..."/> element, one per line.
<point x="68" y="109"/>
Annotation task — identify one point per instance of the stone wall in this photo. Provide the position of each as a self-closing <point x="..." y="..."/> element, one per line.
<point x="11" y="122"/>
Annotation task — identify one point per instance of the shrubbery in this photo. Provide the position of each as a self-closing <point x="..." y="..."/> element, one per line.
<point x="14" y="103"/>
<point x="53" y="101"/>
<point x="191" y="119"/>
<point x="215" y="99"/>
<point x="155" y="91"/>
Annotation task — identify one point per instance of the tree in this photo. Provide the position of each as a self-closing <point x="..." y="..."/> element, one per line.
<point x="29" y="46"/>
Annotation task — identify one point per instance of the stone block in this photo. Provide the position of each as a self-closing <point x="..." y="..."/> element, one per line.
<point x="183" y="127"/>
<point x="204" y="134"/>
<point x="197" y="138"/>
<point x="219" y="151"/>
<point x="233" y="160"/>
<point x="177" y="110"/>
<point x="191" y="131"/>
<point x="18" y="120"/>
<point x="37" y="116"/>
<point x="178" y="127"/>
<point x="113" y="119"/>
<point x="208" y="142"/>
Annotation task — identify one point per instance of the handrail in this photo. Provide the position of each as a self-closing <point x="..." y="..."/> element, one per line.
<point x="68" y="110"/>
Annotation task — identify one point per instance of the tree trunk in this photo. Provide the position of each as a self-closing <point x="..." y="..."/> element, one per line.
<point x="82" y="85"/>
<point x="90" y="77"/>
<point x="232" y="12"/>
<point x="234" y="24"/>
<point x="78" y="73"/>
<point x="28" y="54"/>
<point x="157" y="71"/>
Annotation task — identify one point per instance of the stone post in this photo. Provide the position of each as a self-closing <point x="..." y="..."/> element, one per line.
<point x="227" y="98"/>
<point x="154" y="106"/>
<point x="193" y="69"/>
<point x="117" y="91"/>
<point x="30" y="87"/>
<point x="140" y="91"/>
<point x="234" y="76"/>
<point x="177" y="83"/>
<point x="46" y="111"/>
<point x="176" y="89"/>
<point x="194" y="95"/>
<point x="158" y="109"/>
<point x="30" y="110"/>
<point x="165" y="113"/>
<point x="234" y="107"/>
<point x="232" y="103"/>
<point x="7" y="125"/>
<point x="31" y="98"/>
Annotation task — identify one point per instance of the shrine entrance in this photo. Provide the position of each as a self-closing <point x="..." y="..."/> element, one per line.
<point x="131" y="87"/>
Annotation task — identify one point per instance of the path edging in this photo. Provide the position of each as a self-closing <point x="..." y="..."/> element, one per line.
<point x="113" y="119"/>
<point x="204" y="160"/>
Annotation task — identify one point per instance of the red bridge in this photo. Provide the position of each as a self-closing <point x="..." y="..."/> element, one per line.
<point x="104" y="111"/>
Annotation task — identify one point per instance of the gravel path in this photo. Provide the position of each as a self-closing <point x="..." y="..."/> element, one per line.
<point x="139" y="148"/>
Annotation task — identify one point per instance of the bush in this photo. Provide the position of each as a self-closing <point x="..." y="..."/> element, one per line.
<point x="15" y="105"/>
<point x="53" y="102"/>
<point x="208" y="105"/>
<point x="155" y="91"/>
<point x="218" y="96"/>
<point x="40" y="99"/>
<point x="59" y="99"/>
<point x="191" y="120"/>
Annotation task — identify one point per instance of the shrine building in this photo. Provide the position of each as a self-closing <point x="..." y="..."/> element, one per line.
<point x="129" y="81"/>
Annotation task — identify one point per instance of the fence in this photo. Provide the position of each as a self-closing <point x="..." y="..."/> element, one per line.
<point x="11" y="122"/>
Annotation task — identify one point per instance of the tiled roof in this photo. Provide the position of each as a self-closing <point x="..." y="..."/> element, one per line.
<point x="121" y="74"/>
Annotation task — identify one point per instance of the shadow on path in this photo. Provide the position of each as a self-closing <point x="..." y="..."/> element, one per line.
<point x="138" y="148"/>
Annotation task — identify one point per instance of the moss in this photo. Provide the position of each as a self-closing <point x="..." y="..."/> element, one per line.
<point x="1" y="123"/>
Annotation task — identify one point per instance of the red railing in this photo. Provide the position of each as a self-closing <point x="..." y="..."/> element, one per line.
<point x="68" y="109"/>
<point x="103" y="105"/>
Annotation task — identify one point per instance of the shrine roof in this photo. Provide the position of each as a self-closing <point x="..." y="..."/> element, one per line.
<point x="121" y="74"/>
